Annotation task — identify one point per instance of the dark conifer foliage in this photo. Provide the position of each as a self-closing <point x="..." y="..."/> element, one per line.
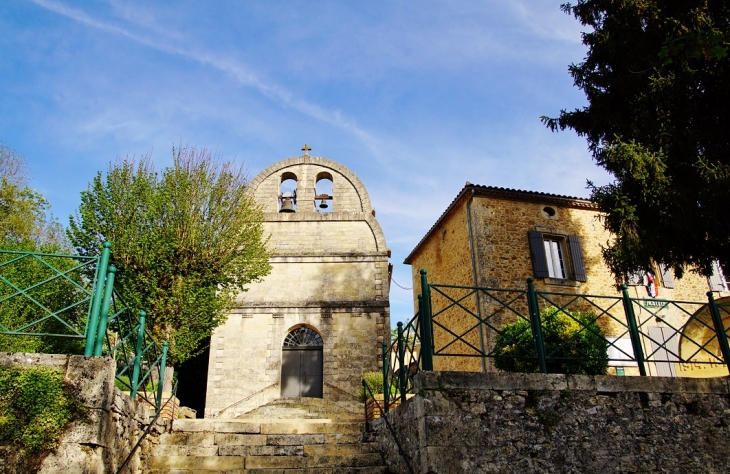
<point x="657" y="79"/>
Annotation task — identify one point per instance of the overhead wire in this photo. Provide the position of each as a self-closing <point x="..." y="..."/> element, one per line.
<point x="399" y="286"/>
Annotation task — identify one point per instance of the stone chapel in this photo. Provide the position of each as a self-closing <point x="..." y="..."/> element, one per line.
<point x="317" y="321"/>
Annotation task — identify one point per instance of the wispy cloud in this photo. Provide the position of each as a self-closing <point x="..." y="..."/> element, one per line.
<point x="235" y="69"/>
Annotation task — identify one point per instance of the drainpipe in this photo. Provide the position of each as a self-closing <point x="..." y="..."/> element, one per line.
<point x="474" y="275"/>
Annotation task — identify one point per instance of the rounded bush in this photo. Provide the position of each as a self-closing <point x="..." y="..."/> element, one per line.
<point x="574" y="344"/>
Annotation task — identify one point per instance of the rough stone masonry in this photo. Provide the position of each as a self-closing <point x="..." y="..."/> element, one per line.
<point x="115" y="421"/>
<point x="534" y="423"/>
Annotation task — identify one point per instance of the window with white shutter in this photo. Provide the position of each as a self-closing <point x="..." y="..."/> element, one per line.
<point x="717" y="280"/>
<point x="667" y="276"/>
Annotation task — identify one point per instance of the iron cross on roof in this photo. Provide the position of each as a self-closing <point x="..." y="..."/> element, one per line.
<point x="306" y="149"/>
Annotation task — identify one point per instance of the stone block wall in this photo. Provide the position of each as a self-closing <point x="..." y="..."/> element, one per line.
<point x="292" y="236"/>
<point x="255" y="336"/>
<point x="301" y="281"/>
<point x="330" y="273"/>
<point x="534" y="423"/>
<point x="116" y="422"/>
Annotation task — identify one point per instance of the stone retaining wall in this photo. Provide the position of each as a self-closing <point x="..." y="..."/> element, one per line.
<point x="115" y="424"/>
<point x="496" y="422"/>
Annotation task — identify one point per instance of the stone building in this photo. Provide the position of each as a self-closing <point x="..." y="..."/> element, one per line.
<point x="497" y="238"/>
<point x="316" y="323"/>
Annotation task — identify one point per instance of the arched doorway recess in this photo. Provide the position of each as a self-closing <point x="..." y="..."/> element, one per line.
<point x="301" y="364"/>
<point x="699" y="346"/>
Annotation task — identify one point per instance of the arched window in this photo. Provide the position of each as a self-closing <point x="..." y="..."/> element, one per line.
<point x="323" y="201"/>
<point x="288" y="193"/>
<point x="303" y="336"/>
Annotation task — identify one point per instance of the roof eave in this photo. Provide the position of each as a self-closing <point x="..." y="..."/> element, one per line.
<point x="480" y="190"/>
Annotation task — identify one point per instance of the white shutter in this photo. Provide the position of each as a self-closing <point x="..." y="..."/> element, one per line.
<point x="717" y="279"/>
<point x="664" y="348"/>
<point x="667" y="276"/>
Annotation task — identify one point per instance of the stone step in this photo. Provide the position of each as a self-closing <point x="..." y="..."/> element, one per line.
<point x="345" y="449"/>
<point x="314" y="470"/>
<point x="265" y="450"/>
<point x="300" y="462"/>
<point x="287" y="436"/>
<point x="234" y="463"/>
<point x="296" y="426"/>
<point x="284" y="408"/>
<point x="226" y="439"/>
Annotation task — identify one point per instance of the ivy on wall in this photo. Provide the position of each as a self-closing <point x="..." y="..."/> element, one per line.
<point x="36" y="406"/>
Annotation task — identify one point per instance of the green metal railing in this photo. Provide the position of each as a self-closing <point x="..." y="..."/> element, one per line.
<point x="52" y="296"/>
<point x="140" y="359"/>
<point x="401" y="360"/>
<point x="457" y="327"/>
<point x="46" y="294"/>
<point x="401" y="451"/>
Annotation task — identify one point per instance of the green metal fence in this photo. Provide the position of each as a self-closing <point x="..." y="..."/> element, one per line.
<point x="46" y="294"/>
<point x="140" y="359"/>
<point x="458" y="327"/>
<point x="401" y="360"/>
<point x="52" y="296"/>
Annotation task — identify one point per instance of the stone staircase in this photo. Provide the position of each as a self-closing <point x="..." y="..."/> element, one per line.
<point x="286" y="436"/>
<point x="307" y="408"/>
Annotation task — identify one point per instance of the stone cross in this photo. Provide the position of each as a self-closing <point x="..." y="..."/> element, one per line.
<point x="306" y="149"/>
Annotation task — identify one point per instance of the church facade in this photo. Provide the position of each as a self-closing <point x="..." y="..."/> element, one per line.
<point x="315" y="324"/>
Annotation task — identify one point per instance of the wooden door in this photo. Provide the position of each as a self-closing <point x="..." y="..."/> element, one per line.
<point x="302" y="364"/>
<point x="301" y="372"/>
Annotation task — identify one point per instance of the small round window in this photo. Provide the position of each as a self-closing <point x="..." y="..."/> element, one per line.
<point x="549" y="212"/>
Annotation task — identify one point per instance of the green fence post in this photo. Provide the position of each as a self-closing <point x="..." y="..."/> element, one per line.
<point x="633" y="330"/>
<point x="401" y="363"/>
<point x="138" y="354"/>
<point x="161" y="382"/>
<point x="386" y="385"/>
<point x="424" y="318"/>
<point x="91" y="325"/>
<point x="536" y="325"/>
<point x="104" y="315"/>
<point x="719" y="329"/>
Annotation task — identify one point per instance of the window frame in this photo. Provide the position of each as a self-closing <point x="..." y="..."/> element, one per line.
<point x="555" y="263"/>
<point x="573" y="264"/>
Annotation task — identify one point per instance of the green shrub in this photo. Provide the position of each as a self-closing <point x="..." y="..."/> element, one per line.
<point x="124" y="384"/>
<point x="574" y="344"/>
<point x="375" y="381"/>
<point x="36" y="405"/>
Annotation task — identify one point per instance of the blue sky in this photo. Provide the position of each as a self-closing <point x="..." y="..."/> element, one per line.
<point x="415" y="97"/>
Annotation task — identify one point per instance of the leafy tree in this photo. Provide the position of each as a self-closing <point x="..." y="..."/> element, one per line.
<point x="25" y="222"/>
<point x="185" y="240"/>
<point x="574" y="344"/>
<point x="657" y="80"/>
<point x="26" y="225"/>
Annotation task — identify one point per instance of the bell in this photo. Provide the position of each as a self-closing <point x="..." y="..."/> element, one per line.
<point x="323" y="204"/>
<point x="286" y="205"/>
